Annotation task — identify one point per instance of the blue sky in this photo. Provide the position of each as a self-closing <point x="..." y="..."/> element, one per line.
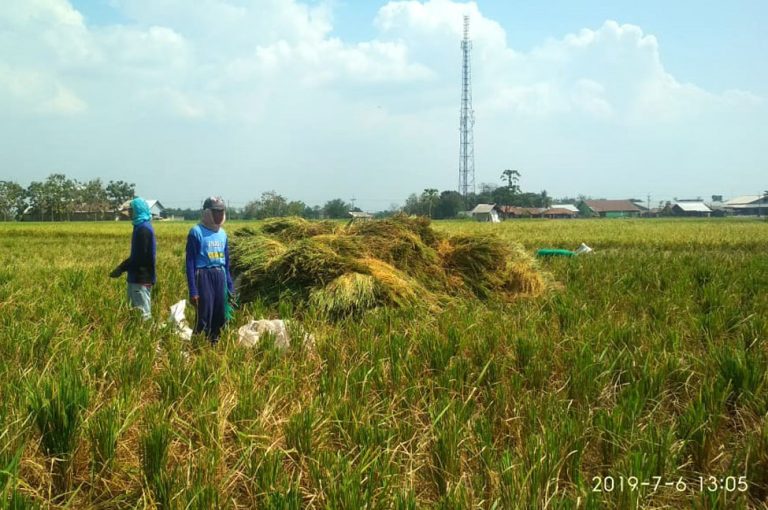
<point x="318" y="100"/>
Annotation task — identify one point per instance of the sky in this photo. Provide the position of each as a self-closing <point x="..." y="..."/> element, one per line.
<point x="359" y="99"/>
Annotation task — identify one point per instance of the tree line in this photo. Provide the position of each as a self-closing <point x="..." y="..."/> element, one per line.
<point x="59" y="198"/>
<point x="448" y="204"/>
<point x="274" y="205"/>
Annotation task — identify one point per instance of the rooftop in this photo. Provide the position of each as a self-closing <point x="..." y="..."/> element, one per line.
<point x="693" y="206"/>
<point x="483" y="208"/>
<point x="612" y="205"/>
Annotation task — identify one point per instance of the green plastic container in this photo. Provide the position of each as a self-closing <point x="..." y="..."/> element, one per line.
<point x="554" y="252"/>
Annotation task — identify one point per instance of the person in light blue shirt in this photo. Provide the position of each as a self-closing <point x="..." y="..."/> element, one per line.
<point x="207" y="266"/>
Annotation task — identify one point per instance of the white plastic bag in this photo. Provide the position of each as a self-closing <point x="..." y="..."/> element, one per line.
<point x="178" y="321"/>
<point x="250" y="334"/>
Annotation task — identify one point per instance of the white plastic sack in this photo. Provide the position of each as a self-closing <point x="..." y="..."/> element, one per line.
<point x="250" y="334"/>
<point x="582" y="249"/>
<point x="178" y="321"/>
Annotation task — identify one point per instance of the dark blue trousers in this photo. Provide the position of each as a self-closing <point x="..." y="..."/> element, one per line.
<point x="211" y="309"/>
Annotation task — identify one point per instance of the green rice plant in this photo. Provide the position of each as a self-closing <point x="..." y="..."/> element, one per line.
<point x="525" y="352"/>
<point x="446" y="448"/>
<point x="751" y="461"/>
<point x="509" y="490"/>
<point x="608" y="430"/>
<point x="250" y="399"/>
<point x="699" y="424"/>
<point x="153" y="449"/>
<point x="405" y="500"/>
<point x="436" y="349"/>
<point x="18" y="501"/>
<point x="57" y="405"/>
<point x="397" y="349"/>
<point x="202" y="491"/>
<point x="173" y="377"/>
<point x="131" y="370"/>
<point x="267" y="471"/>
<point x="742" y="372"/>
<point x="300" y="431"/>
<point x="586" y="374"/>
<point x="154" y="445"/>
<point x="207" y="423"/>
<point x="9" y="472"/>
<point x="652" y="456"/>
<point x="104" y="430"/>
<point x="331" y="382"/>
<point x="41" y="344"/>
<point x="457" y="497"/>
<point x="343" y="485"/>
<point x="203" y="497"/>
<point x="530" y="362"/>
<point x="288" y="500"/>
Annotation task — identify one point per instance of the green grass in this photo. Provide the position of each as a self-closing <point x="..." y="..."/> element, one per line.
<point x="650" y="361"/>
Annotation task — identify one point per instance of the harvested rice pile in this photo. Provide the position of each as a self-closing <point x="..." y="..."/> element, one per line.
<point x="401" y="261"/>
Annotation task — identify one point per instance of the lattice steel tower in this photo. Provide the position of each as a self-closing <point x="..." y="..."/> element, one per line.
<point x="467" y="119"/>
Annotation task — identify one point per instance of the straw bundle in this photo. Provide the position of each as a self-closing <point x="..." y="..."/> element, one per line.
<point x="402" y="261"/>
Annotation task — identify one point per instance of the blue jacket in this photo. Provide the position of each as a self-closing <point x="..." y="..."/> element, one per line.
<point x="140" y="265"/>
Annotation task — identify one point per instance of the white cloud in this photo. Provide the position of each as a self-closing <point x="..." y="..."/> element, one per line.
<point x="298" y="96"/>
<point x="63" y="102"/>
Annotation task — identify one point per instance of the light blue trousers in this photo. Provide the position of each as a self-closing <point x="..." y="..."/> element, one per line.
<point x="139" y="295"/>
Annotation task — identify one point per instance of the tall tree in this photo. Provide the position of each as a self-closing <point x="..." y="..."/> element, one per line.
<point x="295" y="208"/>
<point x="513" y="178"/>
<point x="270" y="205"/>
<point x="37" y="199"/>
<point x="546" y="200"/>
<point x="311" y="213"/>
<point x="118" y="192"/>
<point x="11" y="200"/>
<point x="449" y="205"/>
<point x="413" y="205"/>
<point x="429" y="196"/>
<point x="93" y="198"/>
<point x="60" y="192"/>
<point x="336" y="208"/>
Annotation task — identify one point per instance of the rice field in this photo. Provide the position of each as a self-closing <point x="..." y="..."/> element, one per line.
<point x="639" y="381"/>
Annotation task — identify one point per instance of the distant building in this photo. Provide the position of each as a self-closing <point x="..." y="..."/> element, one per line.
<point x="359" y="216"/>
<point x="570" y="207"/>
<point x="747" y="205"/>
<point x="609" y="208"/>
<point x="485" y="212"/>
<point x="513" y="211"/>
<point x="560" y="212"/>
<point x="691" y="208"/>
<point x="155" y="207"/>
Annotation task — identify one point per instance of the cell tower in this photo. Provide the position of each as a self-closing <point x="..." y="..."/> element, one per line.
<point x="467" y="119"/>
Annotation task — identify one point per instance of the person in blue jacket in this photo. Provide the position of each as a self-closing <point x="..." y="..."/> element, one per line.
<point x="207" y="265"/>
<point x="140" y="265"/>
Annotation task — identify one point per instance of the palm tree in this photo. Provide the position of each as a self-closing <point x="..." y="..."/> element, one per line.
<point x="430" y="194"/>
<point x="512" y="177"/>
